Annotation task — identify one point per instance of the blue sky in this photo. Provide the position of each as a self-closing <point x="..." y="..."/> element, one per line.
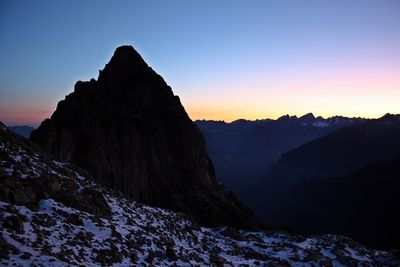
<point x="225" y="59"/>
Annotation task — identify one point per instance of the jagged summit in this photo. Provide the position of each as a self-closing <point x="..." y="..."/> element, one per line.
<point x="286" y="117"/>
<point x="133" y="135"/>
<point x="308" y="116"/>
<point x="126" y="63"/>
<point x="388" y="117"/>
<point x="126" y="53"/>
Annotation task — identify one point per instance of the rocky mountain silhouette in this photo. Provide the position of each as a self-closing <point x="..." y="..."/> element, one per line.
<point x="132" y="134"/>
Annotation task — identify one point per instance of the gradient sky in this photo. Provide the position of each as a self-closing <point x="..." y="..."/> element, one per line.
<point x="225" y="59"/>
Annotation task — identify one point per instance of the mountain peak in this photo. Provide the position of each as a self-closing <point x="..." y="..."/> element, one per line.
<point x="124" y="64"/>
<point x="308" y="116"/>
<point x="389" y="116"/>
<point x="126" y="53"/>
<point x="133" y="135"/>
<point x="286" y="117"/>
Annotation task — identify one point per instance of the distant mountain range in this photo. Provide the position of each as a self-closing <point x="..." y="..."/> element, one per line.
<point x="340" y="152"/>
<point x="343" y="179"/>
<point x="242" y="151"/>
<point x="22" y="130"/>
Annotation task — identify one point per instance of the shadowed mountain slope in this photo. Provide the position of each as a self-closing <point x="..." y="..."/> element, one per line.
<point x="346" y="182"/>
<point x="363" y="205"/>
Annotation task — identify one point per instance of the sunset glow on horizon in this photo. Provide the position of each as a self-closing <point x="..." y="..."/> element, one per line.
<point x="368" y="95"/>
<point x="226" y="61"/>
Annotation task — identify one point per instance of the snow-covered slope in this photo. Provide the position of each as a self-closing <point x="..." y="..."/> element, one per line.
<point x="53" y="214"/>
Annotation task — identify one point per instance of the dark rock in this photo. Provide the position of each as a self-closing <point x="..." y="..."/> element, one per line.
<point x="171" y="253"/>
<point x="133" y="135"/>
<point x="23" y="196"/>
<point x="74" y="219"/>
<point x="94" y="202"/>
<point x="88" y="200"/>
<point x="4" y="192"/>
<point x="14" y="223"/>
<point x="216" y="260"/>
<point x="232" y="233"/>
<point x="54" y="186"/>
<point x="108" y="257"/>
<point x="6" y="249"/>
<point x="26" y="256"/>
<point x="134" y="258"/>
<point x="253" y="255"/>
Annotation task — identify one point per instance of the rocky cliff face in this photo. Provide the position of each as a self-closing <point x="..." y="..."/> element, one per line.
<point x="133" y="135"/>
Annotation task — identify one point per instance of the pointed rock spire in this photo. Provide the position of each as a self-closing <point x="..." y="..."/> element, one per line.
<point x="133" y="135"/>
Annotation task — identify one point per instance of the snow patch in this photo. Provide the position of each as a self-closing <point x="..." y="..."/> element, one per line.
<point x="321" y="124"/>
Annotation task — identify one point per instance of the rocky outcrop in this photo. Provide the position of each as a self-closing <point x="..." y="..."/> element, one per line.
<point x="133" y="135"/>
<point x="28" y="175"/>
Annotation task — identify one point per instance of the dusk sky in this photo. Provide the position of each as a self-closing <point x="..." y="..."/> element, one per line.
<point x="225" y="59"/>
